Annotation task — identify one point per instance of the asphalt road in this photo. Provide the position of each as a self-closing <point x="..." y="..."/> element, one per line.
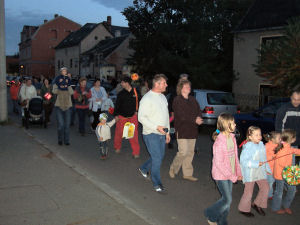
<point x="184" y="201"/>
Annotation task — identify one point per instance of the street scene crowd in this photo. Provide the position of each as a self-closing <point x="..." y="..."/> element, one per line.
<point x="258" y="163"/>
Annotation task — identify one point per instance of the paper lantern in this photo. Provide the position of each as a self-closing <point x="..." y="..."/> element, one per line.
<point x="47" y="96"/>
<point x="134" y="76"/>
<point x="291" y="174"/>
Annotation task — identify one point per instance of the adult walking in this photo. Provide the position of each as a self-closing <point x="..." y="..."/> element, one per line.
<point x="288" y="117"/>
<point x="154" y="116"/>
<point x="63" y="105"/>
<point x="99" y="96"/>
<point x="81" y="97"/>
<point x="14" y="92"/>
<point x="27" y="92"/>
<point x="187" y="117"/>
<point x="48" y="100"/>
<point x="126" y="111"/>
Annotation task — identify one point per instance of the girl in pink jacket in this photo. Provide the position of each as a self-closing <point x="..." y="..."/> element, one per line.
<point x="225" y="168"/>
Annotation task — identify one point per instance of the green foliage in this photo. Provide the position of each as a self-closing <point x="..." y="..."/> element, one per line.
<point x="279" y="61"/>
<point x="194" y="37"/>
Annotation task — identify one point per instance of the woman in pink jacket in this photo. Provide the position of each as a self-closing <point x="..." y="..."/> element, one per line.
<point x="225" y="169"/>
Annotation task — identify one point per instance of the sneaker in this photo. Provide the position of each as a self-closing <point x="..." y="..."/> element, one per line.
<point x="67" y="143"/>
<point x="136" y="156"/>
<point x="143" y="173"/>
<point x="159" y="189"/>
<point x="103" y="157"/>
<point x="60" y="143"/>
<point x="118" y="151"/>
<point x="211" y="223"/>
<point x="190" y="178"/>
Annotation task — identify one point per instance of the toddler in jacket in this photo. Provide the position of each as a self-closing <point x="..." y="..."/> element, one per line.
<point x="225" y="168"/>
<point x="254" y="170"/>
<point x="284" y="157"/>
<point x="272" y="146"/>
<point x="103" y="134"/>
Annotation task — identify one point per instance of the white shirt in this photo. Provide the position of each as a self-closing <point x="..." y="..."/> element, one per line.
<point x="153" y="112"/>
<point x="104" y="130"/>
<point x="27" y="93"/>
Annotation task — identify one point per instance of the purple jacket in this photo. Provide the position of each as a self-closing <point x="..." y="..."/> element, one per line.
<point x="221" y="168"/>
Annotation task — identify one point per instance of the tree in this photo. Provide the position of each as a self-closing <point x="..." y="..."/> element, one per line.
<point x="279" y="61"/>
<point x="194" y="37"/>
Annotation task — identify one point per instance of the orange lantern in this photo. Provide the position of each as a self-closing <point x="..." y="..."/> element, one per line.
<point x="134" y="76"/>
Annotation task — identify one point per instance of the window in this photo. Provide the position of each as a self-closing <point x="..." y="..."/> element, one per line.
<point x="220" y="99"/>
<point x="54" y="34"/>
<point x="269" y="40"/>
<point x="71" y="63"/>
<point x="62" y="63"/>
<point x="66" y="51"/>
<point x="96" y="37"/>
<point x="58" y="64"/>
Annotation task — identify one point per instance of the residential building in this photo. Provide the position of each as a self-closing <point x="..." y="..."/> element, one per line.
<point x="37" y="45"/>
<point x="264" y="22"/>
<point x="108" y="58"/>
<point x="69" y="50"/>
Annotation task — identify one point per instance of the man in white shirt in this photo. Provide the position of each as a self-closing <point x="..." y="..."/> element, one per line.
<point x="153" y="114"/>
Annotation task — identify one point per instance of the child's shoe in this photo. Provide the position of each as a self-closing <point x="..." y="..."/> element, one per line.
<point x="288" y="211"/>
<point x="280" y="211"/>
<point x="103" y="157"/>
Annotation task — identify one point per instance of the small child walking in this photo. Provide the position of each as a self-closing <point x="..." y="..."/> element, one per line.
<point x="103" y="134"/>
<point x="284" y="157"/>
<point x="225" y="168"/>
<point x="272" y="146"/>
<point x="254" y="170"/>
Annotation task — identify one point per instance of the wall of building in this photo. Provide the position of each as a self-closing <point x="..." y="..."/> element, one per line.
<point x="64" y="56"/>
<point x="41" y="57"/>
<point x="247" y="86"/>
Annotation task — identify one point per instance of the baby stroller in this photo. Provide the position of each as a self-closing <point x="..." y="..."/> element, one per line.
<point x="35" y="111"/>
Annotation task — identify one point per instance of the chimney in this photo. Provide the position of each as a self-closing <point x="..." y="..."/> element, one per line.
<point x="45" y="21"/>
<point x="55" y="15"/>
<point x="108" y="20"/>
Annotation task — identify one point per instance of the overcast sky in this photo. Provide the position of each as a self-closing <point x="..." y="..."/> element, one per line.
<point x="33" y="12"/>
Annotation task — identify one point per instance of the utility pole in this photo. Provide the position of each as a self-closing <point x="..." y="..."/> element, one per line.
<point x="3" y="90"/>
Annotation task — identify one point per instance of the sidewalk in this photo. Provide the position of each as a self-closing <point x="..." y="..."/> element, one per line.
<point x="37" y="188"/>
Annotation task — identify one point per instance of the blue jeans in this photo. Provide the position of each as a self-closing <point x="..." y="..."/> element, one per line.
<point x="277" y="197"/>
<point x="271" y="181"/>
<point x="218" y="212"/>
<point x="82" y="113"/>
<point x="156" y="147"/>
<point x="63" y="124"/>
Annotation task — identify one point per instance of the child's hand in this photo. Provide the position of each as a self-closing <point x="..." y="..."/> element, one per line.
<point x="240" y="178"/>
<point x="261" y="163"/>
<point x="101" y="138"/>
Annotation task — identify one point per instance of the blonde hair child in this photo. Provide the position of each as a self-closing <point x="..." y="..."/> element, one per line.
<point x="225" y="168"/>
<point x="254" y="170"/>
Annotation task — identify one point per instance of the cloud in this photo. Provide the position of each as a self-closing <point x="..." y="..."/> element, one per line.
<point x="14" y="24"/>
<point x="115" y="4"/>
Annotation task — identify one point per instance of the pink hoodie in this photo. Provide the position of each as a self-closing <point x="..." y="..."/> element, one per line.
<point x="221" y="168"/>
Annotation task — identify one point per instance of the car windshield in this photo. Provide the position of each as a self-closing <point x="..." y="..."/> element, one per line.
<point x="220" y="99"/>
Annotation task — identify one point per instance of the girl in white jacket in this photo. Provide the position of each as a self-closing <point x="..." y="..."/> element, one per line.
<point x="103" y="134"/>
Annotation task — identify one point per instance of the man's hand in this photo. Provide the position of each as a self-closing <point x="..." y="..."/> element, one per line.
<point x="168" y="138"/>
<point x="160" y="129"/>
<point x="199" y="120"/>
<point x="101" y="138"/>
<point x="117" y="118"/>
<point x="240" y="178"/>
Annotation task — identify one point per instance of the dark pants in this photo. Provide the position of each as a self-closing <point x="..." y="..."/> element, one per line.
<point x="63" y="124"/>
<point x="25" y="119"/>
<point x="96" y="119"/>
<point x="82" y="113"/>
<point x="48" y="110"/>
<point x="103" y="148"/>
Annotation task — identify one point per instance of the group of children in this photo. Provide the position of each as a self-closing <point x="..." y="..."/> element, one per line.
<point x="259" y="163"/>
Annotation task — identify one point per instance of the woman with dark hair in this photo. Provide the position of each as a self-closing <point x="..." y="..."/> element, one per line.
<point x="48" y="100"/>
<point x="81" y="97"/>
<point x="187" y="117"/>
<point x="99" y="95"/>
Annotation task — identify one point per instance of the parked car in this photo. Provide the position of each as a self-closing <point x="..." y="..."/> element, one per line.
<point x="213" y="103"/>
<point x="264" y="118"/>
